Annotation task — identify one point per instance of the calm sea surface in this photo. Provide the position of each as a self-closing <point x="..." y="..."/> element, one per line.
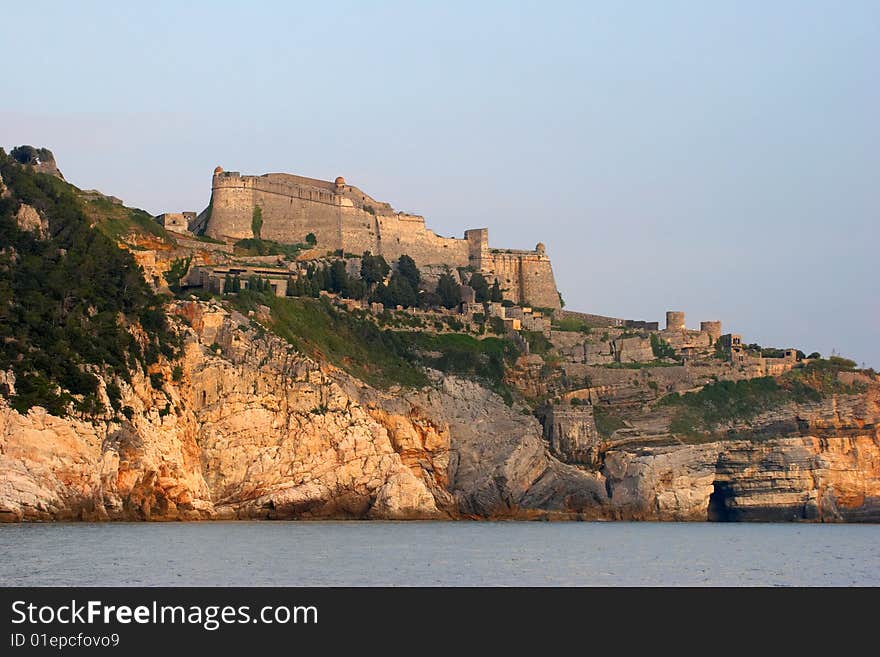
<point x="442" y="553"/>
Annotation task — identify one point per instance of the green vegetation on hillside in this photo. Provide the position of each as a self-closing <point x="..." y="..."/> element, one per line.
<point x="661" y="348"/>
<point x="378" y="357"/>
<point x="120" y="223"/>
<point x="259" y="247"/>
<point x="571" y="324"/>
<point x="485" y="360"/>
<point x="382" y="357"/>
<point x="66" y="302"/>
<point x="30" y="155"/>
<point x="726" y="401"/>
<point x="538" y="344"/>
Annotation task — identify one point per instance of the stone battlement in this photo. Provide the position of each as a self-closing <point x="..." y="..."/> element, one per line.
<point x="345" y="218"/>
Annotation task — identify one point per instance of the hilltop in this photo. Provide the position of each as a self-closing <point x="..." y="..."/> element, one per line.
<point x="231" y="363"/>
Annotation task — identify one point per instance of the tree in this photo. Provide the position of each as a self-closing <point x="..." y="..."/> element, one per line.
<point x="258" y="284"/>
<point x="311" y="240"/>
<point x="257" y="222"/>
<point x="481" y="287"/>
<point x="495" y="293"/>
<point x="430" y="300"/>
<point x="401" y="292"/>
<point x="338" y="277"/>
<point x="374" y="269"/>
<point x="449" y="291"/>
<point x="179" y="268"/>
<point x="25" y="154"/>
<point x="323" y="279"/>
<point x="355" y="288"/>
<point x="815" y="354"/>
<point x="406" y="266"/>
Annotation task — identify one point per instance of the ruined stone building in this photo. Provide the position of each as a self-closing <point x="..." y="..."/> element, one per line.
<point x="287" y="208"/>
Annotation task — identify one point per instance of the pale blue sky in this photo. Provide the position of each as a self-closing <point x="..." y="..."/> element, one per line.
<point x="720" y="159"/>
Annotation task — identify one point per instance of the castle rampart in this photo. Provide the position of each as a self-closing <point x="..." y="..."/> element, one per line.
<point x="343" y="217"/>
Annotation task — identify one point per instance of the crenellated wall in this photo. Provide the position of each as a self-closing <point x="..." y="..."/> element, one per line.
<point x="343" y="217"/>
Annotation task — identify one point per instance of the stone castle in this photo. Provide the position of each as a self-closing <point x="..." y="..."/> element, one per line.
<point x="344" y="218"/>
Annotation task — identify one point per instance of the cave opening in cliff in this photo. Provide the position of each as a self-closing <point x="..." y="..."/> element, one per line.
<point x="718" y="510"/>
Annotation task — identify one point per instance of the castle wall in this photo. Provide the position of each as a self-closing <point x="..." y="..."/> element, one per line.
<point x="526" y="277"/>
<point x="292" y="207"/>
<point x="343" y="217"/>
<point x="290" y="211"/>
<point x="406" y="234"/>
<point x="538" y="284"/>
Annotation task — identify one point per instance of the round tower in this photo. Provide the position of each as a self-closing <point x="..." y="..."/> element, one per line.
<point x="674" y="320"/>
<point x="713" y="328"/>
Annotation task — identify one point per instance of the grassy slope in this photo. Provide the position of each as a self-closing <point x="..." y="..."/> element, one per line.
<point x="121" y="223"/>
<point x="381" y="357"/>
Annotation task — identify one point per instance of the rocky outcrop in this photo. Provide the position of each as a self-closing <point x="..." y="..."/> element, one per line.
<point x="812" y="462"/>
<point x="41" y="159"/>
<point x="243" y="426"/>
<point x="250" y="429"/>
<point x="29" y="219"/>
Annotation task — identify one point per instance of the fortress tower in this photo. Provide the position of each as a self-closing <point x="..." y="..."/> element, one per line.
<point x="343" y="217"/>
<point x="674" y="320"/>
<point x="713" y="328"/>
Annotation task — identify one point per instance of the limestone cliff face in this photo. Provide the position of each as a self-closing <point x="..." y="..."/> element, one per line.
<point x="820" y="462"/>
<point x="245" y="427"/>
<point x="258" y="432"/>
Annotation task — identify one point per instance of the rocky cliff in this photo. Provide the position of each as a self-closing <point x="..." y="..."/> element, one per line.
<point x="243" y="426"/>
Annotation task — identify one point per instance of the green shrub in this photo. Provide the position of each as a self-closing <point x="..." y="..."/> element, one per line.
<point x="538" y="344"/>
<point x="496" y="325"/>
<point x="729" y="401"/>
<point x="257" y="222"/>
<point x="260" y="247"/>
<point x="661" y="348"/>
<point x="572" y="324"/>
<point x="179" y="268"/>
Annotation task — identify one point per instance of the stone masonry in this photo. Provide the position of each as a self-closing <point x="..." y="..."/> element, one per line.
<point x="344" y="218"/>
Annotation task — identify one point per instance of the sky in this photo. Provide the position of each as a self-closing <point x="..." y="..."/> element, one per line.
<point x="722" y="159"/>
